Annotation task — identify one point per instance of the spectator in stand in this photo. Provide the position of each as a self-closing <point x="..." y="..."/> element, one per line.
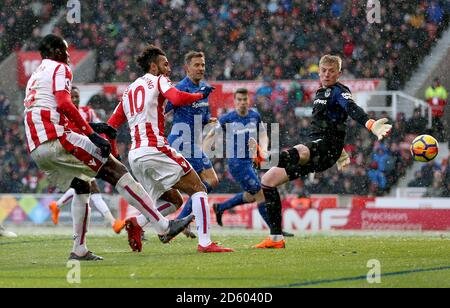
<point x="436" y="96"/>
<point x="377" y="178"/>
<point x="296" y="93"/>
<point x="4" y="106"/>
<point x="428" y="172"/>
<point x="417" y="124"/>
<point x="418" y="180"/>
<point x="266" y="89"/>
<point x="437" y="188"/>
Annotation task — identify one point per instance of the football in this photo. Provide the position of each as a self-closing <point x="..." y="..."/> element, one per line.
<point x="424" y="148"/>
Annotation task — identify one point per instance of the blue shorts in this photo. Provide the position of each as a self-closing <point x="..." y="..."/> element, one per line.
<point x="244" y="173"/>
<point x="198" y="164"/>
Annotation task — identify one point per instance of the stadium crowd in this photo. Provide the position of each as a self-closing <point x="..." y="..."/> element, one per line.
<point x="252" y="39"/>
<point x="20" y="22"/>
<point x="375" y="167"/>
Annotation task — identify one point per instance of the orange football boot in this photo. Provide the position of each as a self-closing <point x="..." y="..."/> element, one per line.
<point x="268" y="243"/>
<point x="118" y="226"/>
<point x="55" y="212"/>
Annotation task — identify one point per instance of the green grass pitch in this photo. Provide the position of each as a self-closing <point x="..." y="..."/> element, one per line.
<point x="308" y="261"/>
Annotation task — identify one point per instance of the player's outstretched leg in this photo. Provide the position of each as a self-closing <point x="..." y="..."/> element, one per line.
<point x="116" y="174"/>
<point x="220" y="208"/>
<point x="192" y="185"/>
<point x="80" y="216"/>
<point x="56" y="206"/>
<point x="100" y="204"/>
<point x="271" y="180"/>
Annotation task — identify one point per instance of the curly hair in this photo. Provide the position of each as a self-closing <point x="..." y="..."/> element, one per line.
<point x="148" y="56"/>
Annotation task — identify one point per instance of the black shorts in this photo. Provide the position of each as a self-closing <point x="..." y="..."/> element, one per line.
<point x="324" y="155"/>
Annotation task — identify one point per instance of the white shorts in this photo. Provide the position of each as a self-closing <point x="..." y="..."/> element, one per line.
<point x="158" y="169"/>
<point x="71" y="156"/>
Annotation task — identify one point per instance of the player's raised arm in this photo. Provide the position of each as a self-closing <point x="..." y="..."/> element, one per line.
<point x="179" y="98"/>
<point x="379" y="128"/>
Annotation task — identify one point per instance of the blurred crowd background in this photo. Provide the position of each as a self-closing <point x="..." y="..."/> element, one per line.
<point x="262" y="40"/>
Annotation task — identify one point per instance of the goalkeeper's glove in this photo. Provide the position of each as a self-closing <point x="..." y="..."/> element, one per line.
<point x="343" y="162"/>
<point x="259" y="155"/>
<point x="379" y="128"/>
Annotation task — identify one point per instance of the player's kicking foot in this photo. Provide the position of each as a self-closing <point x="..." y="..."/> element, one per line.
<point x="188" y="233"/>
<point x="214" y="247"/>
<point x="268" y="243"/>
<point x="118" y="226"/>
<point x="175" y="227"/>
<point x="54" y="209"/>
<point x="88" y="257"/>
<point x="134" y="234"/>
<point x="287" y="234"/>
<point x="218" y="213"/>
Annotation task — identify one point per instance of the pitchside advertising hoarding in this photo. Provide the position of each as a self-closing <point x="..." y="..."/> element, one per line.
<point x="319" y="213"/>
<point x="29" y="61"/>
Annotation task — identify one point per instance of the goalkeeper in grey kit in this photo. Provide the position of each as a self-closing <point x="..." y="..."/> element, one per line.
<point x="332" y="107"/>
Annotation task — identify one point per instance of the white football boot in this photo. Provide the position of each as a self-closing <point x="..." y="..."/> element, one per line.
<point x="5" y="233"/>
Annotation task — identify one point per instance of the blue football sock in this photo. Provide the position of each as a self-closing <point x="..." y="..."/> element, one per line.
<point x="187" y="209"/>
<point x="231" y="203"/>
<point x="208" y="187"/>
<point x="263" y="212"/>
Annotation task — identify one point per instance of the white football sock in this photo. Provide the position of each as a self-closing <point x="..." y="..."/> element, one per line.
<point x="164" y="207"/>
<point x="68" y="195"/>
<point x="277" y="238"/>
<point x="142" y="221"/>
<point x="136" y="196"/>
<point x="98" y="202"/>
<point x="80" y="216"/>
<point x="200" y="209"/>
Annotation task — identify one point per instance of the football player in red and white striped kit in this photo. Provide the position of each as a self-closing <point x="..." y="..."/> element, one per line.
<point x="73" y="160"/>
<point x="96" y="199"/>
<point x="154" y="163"/>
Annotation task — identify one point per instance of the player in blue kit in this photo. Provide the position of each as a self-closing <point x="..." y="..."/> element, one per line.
<point x="242" y="127"/>
<point x="188" y="123"/>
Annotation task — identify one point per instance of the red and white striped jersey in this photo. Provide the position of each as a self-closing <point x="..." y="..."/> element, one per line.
<point x="143" y="107"/>
<point x="88" y="114"/>
<point x="42" y="120"/>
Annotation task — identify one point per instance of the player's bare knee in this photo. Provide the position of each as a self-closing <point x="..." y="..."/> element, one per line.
<point x="112" y="171"/>
<point x="178" y="202"/>
<point x="174" y="196"/>
<point x="275" y="177"/>
<point x="267" y="179"/>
